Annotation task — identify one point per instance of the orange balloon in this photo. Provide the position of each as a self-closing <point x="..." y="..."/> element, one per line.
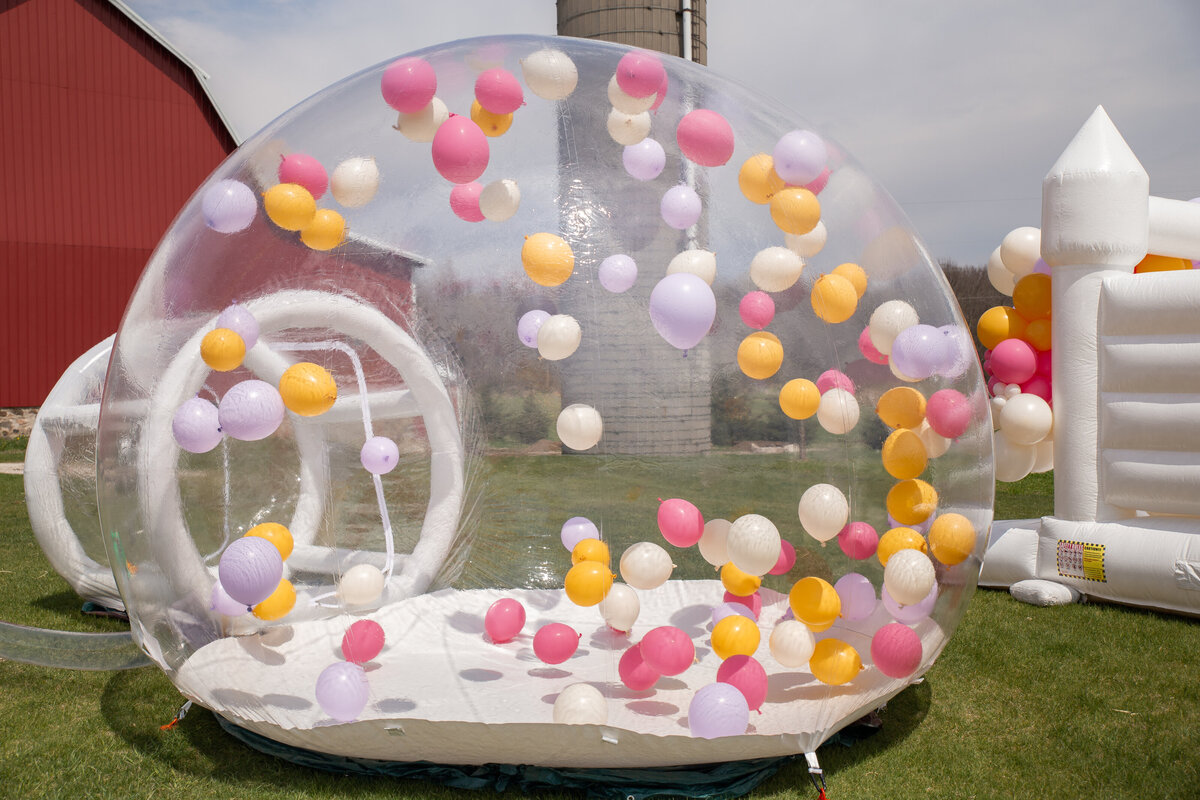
<point x="222" y="349"/>
<point x="491" y="124"/>
<point x="795" y="210"/>
<point x="951" y="538"/>
<point x="279" y="603"/>
<point x="290" y="206"/>
<point x="277" y="535"/>
<point x="1031" y="296"/>
<point x="855" y="274"/>
<point x="999" y="323"/>
<point x="1037" y="334"/>
<point x="307" y="389"/>
<point x="735" y="635"/>
<point x="735" y="581"/>
<point x="760" y="355"/>
<point x="910" y="502"/>
<point x="901" y="407"/>
<point x="834" y="662"/>
<point x="758" y="180"/>
<point x="898" y="539"/>
<point x="815" y="602"/>
<point x="1153" y="263"/>
<point x="591" y="550"/>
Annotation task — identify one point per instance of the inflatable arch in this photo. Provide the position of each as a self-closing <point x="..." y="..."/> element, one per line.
<point x="1126" y="383"/>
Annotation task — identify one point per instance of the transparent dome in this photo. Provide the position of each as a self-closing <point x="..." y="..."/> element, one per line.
<point x="633" y="342"/>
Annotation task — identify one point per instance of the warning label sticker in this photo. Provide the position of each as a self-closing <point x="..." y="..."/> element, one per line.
<point x="1081" y="560"/>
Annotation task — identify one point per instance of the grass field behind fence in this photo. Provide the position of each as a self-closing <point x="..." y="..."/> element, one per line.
<point x="1083" y="701"/>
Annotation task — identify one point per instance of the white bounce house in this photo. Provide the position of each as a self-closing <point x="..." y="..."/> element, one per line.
<point x="1126" y="378"/>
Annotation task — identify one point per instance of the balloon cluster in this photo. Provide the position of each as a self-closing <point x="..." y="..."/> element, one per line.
<point x="1017" y="359"/>
<point x="250" y="574"/>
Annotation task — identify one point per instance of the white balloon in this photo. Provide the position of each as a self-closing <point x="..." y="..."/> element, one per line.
<point x="579" y="426"/>
<point x="837" y="411"/>
<point x="888" y="320"/>
<point x="776" y="269"/>
<point x="701" y="263"/>
<point x="753" y="543"/>
<point x="558" y="337"/>
<point x="713" y="542"/>
<point x="899" y="374"/>
<point x="646" y="565"/>
<point x="935" y="444"/>
<point x="499" y="200"/>
<point x="626" y="104"/>
<point x="354" y="182"/>
<point x="620" y="608"/>
<point x="792" y="643"/>
<point x="550" y="74"/>
<point x="1043" y="459"/>
<point x="420" y="126"/>
<point x="628" y="129"/>
<point x="1012" y="461"/>
<point x="909" y="576"/>
<point x="1020" y="250"/>
<point x="361" y="584"/>
<point x="580" y="704"/>
<point x="807" y="245"/>
<point x="823" y="510"/>
<point x="1026" y="418"/>
<point x="1003" y="280"/>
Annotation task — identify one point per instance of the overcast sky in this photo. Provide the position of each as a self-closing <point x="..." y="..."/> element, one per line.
<point x="958" y="109"/>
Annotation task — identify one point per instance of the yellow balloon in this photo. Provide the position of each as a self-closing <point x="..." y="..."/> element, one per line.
<point x="326" y="231"/>
<point x="951" y="538"/>
<point x="1153" y="263"/>
<point x="815" y="602"/>
<point x="307" y="389"/>
<point x="901" y="407"/>
<point x="1031" y="296"/>
<point x="904" y="455"/>
<point x="491" y="124"/>
<point x="795" y="210"/>
<point x="735" y="635"/>
<point x="898" y="539"/>
<point x="760" y="355"/>
<point x="911" y="502"/>
<point x="548" y="259"/>
<point x="222" y="349"/>
<point x="799" y="398"/>
<point x="588" y="583"/>
<point x="743" y="584"/>
<point x="855" y="274"/>
<point x="758" y="180"/>
<point x="591" y="550"/>
<point x="278" y="603"/>
<point x="834" y="662"/>
<point x="1037" y="333"/>
<point x="277" y="535"/>
<point x="999" y="323"/>
<point x="834" y="298"/>
<point x="290" y="206"/>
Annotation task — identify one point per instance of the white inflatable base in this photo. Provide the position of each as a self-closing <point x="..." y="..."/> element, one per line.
<point x="441" y="692"/>
<point x="1037" y="592"/>
<point x="1011" y="554"/>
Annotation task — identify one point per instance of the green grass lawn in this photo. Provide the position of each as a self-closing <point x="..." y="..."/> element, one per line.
<point x="1084" y="701"/>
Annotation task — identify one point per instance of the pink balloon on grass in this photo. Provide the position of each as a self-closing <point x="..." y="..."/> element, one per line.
<point x="555" y="642"/>
<point x="504" y="620"/>
<point x="305" y="170"/>
<point x="635" y="673"/>
<point x="718" y="709"/>
<point x="379" y="455"/>
<point x="745" y="674"/>
<point x="787" y="559"/>
<point x="757" y="309"/>
<point x="529" y="325"/>
<point x="464" y="201"/>
<point x="834" y="379"/>
<point x="896" y="650"/>
<point x="857" y="596"/>
<point x="618" y="273"/>
<point x="705" y="137"/>
<point x="682" y="308"/>
<point x="195" y="426"/>
<point x="362" y="641"/>
<point x="408" y="85"/>
<point x="858" y="540"/>
<point x="342" y="691"/>
<point x="1013" y="361"/>
<point x="680" y="522"/>
<point x="869" y="351"/>
<point x="236" y="318"/>
<point x="910" y="614"/>
<point x="250" y="410"/>
<point x="460" y="150"/>
<point x="228" y="206"/>
<point x="752" y="602"/>
<point x="681" y="207"/>
<point x="948" y="412"/>
<point x="250" y="569"/>
<point x="575" y="530"/>
<point x="667" y="650"/>
<point x="645" y="160"/>
<point x="799" y="157"/>
<point x="640" y="74"/>
<point x="499" y="91"/>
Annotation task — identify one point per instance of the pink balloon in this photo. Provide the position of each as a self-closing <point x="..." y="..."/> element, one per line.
<point x="896" y="650"/>
<point x="1014" y="361"/>
<point x="640" y="74"/>
<point x="363" y="641"/>
<point x="667" y="650"/>
<point x="680" y="522"/>
<point x="818" y="183"/>
<point x="787" y="559"/>
<point x="1040" y="386"/>
<point x="752" y="602"/>
<point x="634" y="671"/>
<point x="757" y="309"/>
<point x="460" y="150"/>
<point x="504" y="620"/>
<point x="464" y="201"/>
<point x="705" y="137"/>
<point x="948" y="412"/>
<point x="834" y="379"/>
<point x="682" y="308"/>
<point x="869" y="351"/>
<point x="306" y="171"/>
<point x="662" y="91"/>
<point x="1044" y="366"/>
<point x="408" y="85"/>
<point x="857" y="596"/>
<point x="499" y="91"/>
<point x="914" y="613"/>
<point x="858" y="540"/>
<point x="555" y="642"/>
<point x="745" y="673"/>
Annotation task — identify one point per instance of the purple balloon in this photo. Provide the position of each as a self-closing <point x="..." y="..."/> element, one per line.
<point x="716" y="710"/>
<point x="920" y="527"/>
<point x="195" y="426"/>
<point x="250" y="410"/>
<point x="228" y="206"/>
<point x="1041" y="267"/>
<point x="919" y="350"/>
<point x="379" y="455"/>
<point x="729" y="609"/>
<point x="250" y="569"/>
<point x="529" y="325"/>
<point x="618" y="273"/>
<point x="576" y="529"/>
<point x="857" y="596"/>
<point x="681" y="207"/>
<point x="222" y="603"/>
<point x="342" y="691"/>
<point x="682" y="308"/>
<point x="914" y="613"/>
<point x="960" y="351"/>
<point x="237" y="319"/>
<point x="799" y="157"/>
<point x="644" y="160"/>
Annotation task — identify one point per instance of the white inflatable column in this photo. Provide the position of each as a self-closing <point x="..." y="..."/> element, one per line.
<point x="1095" y="209"/>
